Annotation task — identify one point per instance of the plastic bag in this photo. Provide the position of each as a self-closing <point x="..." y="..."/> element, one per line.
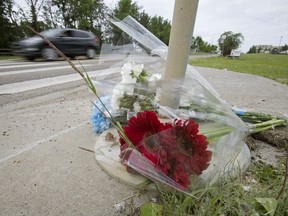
<point x="199" y="141"/>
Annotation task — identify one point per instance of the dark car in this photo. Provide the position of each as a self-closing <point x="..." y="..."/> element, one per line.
<point x="72" y="42"/>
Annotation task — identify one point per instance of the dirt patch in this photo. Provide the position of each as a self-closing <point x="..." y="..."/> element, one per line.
<point x="269" y="146"/>
<point x="277" y="137"/>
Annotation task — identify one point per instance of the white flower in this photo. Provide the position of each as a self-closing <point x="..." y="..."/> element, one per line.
<point x="116" y="95"/>
<point x="127" y="78"/>
<point x="128" y="68"/>
<point x="130" y="71"/>
<point x="137" y="68"/>
<point x="137" y="107"/>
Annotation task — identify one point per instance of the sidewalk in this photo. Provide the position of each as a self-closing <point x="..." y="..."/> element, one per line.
<point x="43" y="172"/>
<point x="248" y="91"/>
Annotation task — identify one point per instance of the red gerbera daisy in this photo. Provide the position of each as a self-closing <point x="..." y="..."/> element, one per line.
<point x="176" y="149"/>
<point x="192" y="145"/>
<point x="142" y="130"/>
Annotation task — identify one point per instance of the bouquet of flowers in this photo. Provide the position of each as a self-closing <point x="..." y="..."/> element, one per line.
<point x="200" y="140"/>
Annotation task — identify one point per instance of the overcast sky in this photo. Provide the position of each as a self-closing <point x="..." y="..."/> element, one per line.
<point x="260" y="21"/>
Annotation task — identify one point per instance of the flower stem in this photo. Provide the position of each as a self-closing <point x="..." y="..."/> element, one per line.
<point x="215" y="134"/>
<point x="259" y="127"/>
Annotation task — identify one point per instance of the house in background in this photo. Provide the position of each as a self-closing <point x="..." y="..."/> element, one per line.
<point x="268" y="49"/>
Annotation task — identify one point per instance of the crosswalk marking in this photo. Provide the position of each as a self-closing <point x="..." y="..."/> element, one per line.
<point x="23" y="67"/>
<point x="40" y="83"/>
<point x="21" y="64"/>
<point x="39" y="69"/>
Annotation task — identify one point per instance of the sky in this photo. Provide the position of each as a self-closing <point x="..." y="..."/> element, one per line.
<point x="261" y="22"/>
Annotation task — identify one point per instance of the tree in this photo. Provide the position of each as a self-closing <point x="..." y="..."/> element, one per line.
<point x="228" y="41"/>
<point x="160" y="28"/>
<point x="197" y="43"/>
<point x="87" y="15"/>
<point x="51" y="15"/>
<point x="200" y="45"/>
<point x="90" y="15"/>
<point x="144" y="19"/>
<point x="8" y="25"/>
<point x="5" y="24"/>
<point x="65" y="12"/>
<point x="284" y="48"/>
<point x="31" y="15"/>
<point x="253" y="49"/>
<point x="157" y="25"/>
<point x="124" y="8"/>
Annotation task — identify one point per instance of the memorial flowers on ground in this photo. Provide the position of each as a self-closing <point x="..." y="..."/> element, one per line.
<point x="170" y="146"/>
<point x="202" y="138"/>
<point x="175" y="148"/>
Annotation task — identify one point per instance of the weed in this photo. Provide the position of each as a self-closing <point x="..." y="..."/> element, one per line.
<point x="251" y="194"/>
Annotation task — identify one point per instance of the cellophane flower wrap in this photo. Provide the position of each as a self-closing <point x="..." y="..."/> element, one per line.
<point x="198" y="141"/>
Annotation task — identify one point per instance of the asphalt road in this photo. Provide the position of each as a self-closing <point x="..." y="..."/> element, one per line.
<point x="22" y="70"/>
<point x="44" y="119"/>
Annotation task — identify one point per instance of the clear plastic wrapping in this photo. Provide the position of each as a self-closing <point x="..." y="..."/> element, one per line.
<point x="199" y="141"/>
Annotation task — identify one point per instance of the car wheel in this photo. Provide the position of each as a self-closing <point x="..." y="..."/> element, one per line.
<point x="91" y="53"/>
<point x="49" y="54"/>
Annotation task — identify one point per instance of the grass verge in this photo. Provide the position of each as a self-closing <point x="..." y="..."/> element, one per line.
<point x="274" y="67"/>
<point x="254" y="193"/>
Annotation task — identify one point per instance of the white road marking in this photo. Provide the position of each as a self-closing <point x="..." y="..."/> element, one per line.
<point x="40" y="69"/>
<point x="13" y="65"/>
<point x="40" y="83"/>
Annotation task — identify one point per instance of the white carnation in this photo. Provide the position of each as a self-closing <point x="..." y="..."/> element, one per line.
<point x="137" y="68"/>
<point x="116" y="95"/>
<point x="128" y="68"/>
<point x="137" y="107"/>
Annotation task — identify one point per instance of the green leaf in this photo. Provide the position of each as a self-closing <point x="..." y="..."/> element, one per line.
<point x="270" y="204"/>
<point x="90" y="84"/>
<point x="151" y="209"/>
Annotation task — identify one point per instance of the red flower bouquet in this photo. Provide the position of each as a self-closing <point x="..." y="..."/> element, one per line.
<point x="176" y="149"/>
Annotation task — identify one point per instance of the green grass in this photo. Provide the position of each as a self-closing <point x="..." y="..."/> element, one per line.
<point x="274" y="67"/>
<point x="246" y="195"/>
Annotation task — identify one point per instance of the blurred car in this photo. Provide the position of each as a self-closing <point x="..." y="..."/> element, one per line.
<point x="72" y="42"/>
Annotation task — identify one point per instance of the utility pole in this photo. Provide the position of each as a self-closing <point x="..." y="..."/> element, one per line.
<point x="280" y="41"/>
<point x="183" y="22"/>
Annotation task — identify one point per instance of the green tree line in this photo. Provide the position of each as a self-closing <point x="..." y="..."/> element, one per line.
<point x="274" y="50"/>
<point x="89" y="15"/>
